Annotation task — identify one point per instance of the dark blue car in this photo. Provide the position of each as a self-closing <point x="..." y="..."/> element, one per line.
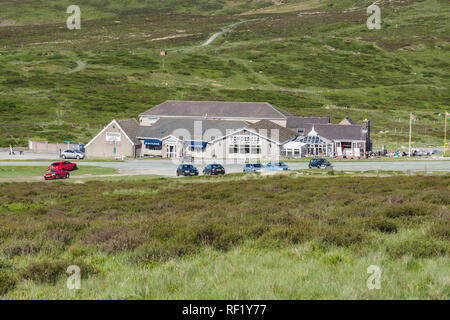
<point x="187" y="170"/>
<point x="214" y="169"/>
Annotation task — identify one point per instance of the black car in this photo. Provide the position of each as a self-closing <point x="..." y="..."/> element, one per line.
<point x="319" y="163"/>
<point x="214" y="169"/>
<point x="187" y="170"/>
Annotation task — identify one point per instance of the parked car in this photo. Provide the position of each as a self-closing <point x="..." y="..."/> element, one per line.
<point x="253" y="167"/>
<point x="214" y="169"/>
<point x="72" y="154"/>
<point x="277" y="166"/>
<point x="420" y="153"/>
<point x="187" y="170"/>
<point x="56" y="174"/>
<point x="320" y="163"/>
<point x="63" y="165"/>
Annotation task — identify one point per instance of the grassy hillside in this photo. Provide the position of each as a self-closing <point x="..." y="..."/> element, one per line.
<point x="308" y="57"/>
<point x="200" y="238"/>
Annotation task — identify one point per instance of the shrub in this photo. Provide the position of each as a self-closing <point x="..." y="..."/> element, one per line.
<point x="418" y="248"/>
<point x="162" y="251"/>
<point x="103" y="235"/>
<point x="341" y="236"/>
<point x="7" y="282"/>
<point x="398" y="211"/>
<point x="50" y="271"/>
<point x="382" y="225"/>
<point x="21" y="248"/>
<point x="122" y="242"/>
<point x="218" y="236"/>
<point x="440" y="229"/>
<point x="334" y="259"/>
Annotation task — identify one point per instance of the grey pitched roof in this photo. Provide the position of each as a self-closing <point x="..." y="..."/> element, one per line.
<point x="338" y="131"/>
<point x="217" y="109"/>
<point x="346" y="121"/>
<point x="300" y="122"/>
<point x="130" y="127"/>
<point x="189" y="129"/>
<point x="268" y="128"/>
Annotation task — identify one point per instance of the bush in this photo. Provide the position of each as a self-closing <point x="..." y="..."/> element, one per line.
<point x="50" y="271"/>
<point x="7" y="282"/>
<point x="398" y="211"/>
<point x="341" y="236"/>
<point x="218" y="236"/>
<point x="382" y="225"/>
<point x="21" y="248"/>
<point x="440" y="229"/>
<point x="122" y="242"/>
<point x="161" y="252"/>
<point x="418" y="248"/>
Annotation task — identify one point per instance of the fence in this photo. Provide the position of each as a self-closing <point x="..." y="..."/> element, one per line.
<point x="46" y="147"/>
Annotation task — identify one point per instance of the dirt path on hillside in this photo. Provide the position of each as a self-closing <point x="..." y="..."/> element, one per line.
<point x="80" y="67"/>
<point x="208" y="41"/>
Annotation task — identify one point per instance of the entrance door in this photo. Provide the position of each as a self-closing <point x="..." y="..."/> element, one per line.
<point x="171" y="151"/>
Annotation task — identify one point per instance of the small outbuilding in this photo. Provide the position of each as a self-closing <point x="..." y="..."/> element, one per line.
<point x="116" y="140"/>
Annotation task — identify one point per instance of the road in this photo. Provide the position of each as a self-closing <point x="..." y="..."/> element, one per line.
<point x="168" y="167"/>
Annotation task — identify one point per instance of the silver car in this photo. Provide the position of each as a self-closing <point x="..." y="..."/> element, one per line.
<point x="72" y="154"/>
<point x="253" y="167"/>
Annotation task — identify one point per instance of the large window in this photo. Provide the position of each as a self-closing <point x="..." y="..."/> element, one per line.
<point x="151" y="147"/>
<point x="244" y="144"/>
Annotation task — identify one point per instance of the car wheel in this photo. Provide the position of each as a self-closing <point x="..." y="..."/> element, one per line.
<point x="178" y="174"/>
<point x="78" y="157"/>
<point x="57" y="176"/>
<point x="63" y="156"/>
<point x="68" y="175"/>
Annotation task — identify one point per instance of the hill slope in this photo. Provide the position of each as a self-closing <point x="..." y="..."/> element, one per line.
<point x="307" y="57"/>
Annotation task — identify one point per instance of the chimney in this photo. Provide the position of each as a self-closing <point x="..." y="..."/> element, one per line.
<point x="366" y="128"/>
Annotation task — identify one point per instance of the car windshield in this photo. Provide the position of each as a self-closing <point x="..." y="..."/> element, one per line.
<point x="278" y="164"/>
<point x="216" y="166"/>
<point x="188" y="166"/>
<point x="55" y="163"/>
<point x="257" y="165"/>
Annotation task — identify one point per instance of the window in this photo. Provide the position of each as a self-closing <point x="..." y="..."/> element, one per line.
<point x="346" y="145"/>
<point x="150" y="147"/>
<point x="244" y="144"/>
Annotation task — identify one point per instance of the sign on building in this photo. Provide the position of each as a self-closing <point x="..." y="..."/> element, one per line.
<point x="113" y="136"/>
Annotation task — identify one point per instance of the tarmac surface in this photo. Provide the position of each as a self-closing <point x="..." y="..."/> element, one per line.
<point x="168" y="167"/>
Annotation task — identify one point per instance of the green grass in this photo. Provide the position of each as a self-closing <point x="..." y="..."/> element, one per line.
<point x="206" y="239"/>
<point x="297" y="272"/>
<point x="33" y="171"/>
<point x="282" y="58"/>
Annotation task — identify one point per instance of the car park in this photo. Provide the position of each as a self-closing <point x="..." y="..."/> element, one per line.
<point x="63" y="165"/>
<point x="214" y="169"/>
<point x="72" y="154"/>
<point x="253" y="167"/>
<point x="56" y="174"/>
<point x="320" y="163"/>
<point x="187" y="170"/>
<point x="276" y="166"/>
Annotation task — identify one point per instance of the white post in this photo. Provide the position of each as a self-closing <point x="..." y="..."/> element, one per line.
<point x="410" y="127"/>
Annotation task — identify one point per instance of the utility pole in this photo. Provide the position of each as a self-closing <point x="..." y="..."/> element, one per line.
<point x="410" y="129"/>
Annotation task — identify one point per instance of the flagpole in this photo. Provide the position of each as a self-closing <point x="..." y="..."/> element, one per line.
<point x="410" y="129"/>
